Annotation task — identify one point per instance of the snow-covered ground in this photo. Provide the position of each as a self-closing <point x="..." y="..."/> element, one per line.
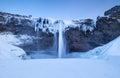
<point x="60" y="68"/>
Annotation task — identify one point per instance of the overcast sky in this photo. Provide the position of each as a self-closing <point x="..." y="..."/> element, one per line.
<point x="58" y="9"/>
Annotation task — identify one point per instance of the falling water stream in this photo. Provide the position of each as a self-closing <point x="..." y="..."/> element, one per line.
<point x="55" y="43"/>
<point x="61" y="43"/>
<point x="38" y="41"/>
<point x="37" y="37"/>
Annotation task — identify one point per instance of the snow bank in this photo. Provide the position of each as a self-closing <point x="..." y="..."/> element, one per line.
<point x="110" y="49"/>
<point x="8" y="51"/>
<point x="114" y="49"/>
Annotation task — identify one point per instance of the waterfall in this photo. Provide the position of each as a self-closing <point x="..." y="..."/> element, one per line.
<point x="37" y="37"/>
<point x="38" y="40"/>
<point x="55" y="42"/>
<point x="61" y="44"/>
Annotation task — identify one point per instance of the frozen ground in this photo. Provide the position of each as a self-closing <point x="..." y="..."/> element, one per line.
<point x="10" y="52"/>
<point x="61" y="68"/>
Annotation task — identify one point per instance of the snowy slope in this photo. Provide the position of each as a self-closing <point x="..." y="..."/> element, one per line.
<point x="114" y="50"/>
<point x="8" y="51"/>
<point x="59" y="68"/>
<point x="110" y="49"/>
<point x="8" y="47"/>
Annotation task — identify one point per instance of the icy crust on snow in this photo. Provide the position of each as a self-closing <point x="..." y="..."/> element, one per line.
<point x="8" y="51"/>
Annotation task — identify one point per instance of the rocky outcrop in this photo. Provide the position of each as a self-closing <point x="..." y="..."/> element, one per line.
<point x="113" y="12"/>
<point x="109" y="27"/>
<point x="79" y="38"/>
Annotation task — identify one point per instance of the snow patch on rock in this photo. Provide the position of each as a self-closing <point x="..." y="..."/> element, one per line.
<point x="9" y="38"/>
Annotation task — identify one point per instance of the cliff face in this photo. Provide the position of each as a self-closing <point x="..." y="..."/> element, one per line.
<point x="17" y="24"/>
<point x="109" y="25"/>
<point x="107" y="28"/>
<point x="79" y="38"/>
<point x="80" y="35"/>
<point x="113" y="12"/>
<point x="25" y="25"/>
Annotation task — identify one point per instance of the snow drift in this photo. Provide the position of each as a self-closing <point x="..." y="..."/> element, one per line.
<point x="8" y="51"/>
<point x="110" y="49"/>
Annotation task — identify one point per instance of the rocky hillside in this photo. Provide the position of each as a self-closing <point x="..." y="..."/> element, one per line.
<point x="113" y="12"/>
<point x="80" y="35"/>
<point x="107" y="28"/>
<point x="24" y="25"/>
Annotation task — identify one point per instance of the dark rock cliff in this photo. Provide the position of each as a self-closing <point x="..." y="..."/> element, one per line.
<point x="107" y="28"/>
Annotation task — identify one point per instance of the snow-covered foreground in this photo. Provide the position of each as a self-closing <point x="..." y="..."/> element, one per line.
<point x="101" y="62"/>
<point x="61" y="68"/>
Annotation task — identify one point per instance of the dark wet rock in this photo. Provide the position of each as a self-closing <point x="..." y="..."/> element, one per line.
<point x="106" y="30"/>
<point x="79" y="38"/>
<point x="46" y="40"/>
<point x="109" y="27"/>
